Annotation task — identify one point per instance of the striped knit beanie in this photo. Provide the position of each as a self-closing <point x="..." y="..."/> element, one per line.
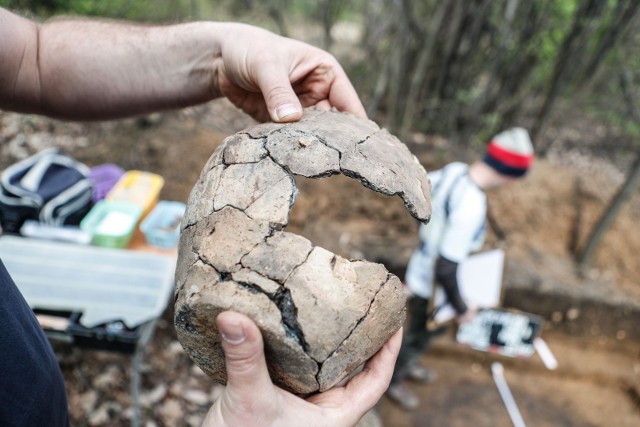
<point x="510" y="152"/>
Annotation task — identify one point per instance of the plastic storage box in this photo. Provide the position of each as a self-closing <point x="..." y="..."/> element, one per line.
<point x="104" y="177"/>
<point x="139" y="188"/>
<point x="162" y="226"/>
<point x="99" y="297"/>
<point x="111" y="223"/>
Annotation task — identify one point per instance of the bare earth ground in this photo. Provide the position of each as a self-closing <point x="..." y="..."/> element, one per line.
<point x="597" y="383"/>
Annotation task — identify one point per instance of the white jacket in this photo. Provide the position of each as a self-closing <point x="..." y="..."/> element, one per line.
<point x="457" y="226"/>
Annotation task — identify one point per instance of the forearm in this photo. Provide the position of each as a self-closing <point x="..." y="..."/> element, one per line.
<point x="79" y="69"/>
<point x="92" y="69"/>
<point x="18" y="60"/>
<point x="447" y="276"/>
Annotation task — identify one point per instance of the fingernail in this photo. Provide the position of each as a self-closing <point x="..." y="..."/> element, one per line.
<point x="233" y="333"/>
<point x="286" y="110"/>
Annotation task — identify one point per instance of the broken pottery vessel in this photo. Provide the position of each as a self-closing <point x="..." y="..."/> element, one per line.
<point x="321" y="315"/>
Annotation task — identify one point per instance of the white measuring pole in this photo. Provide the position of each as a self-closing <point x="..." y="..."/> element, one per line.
<point x="545" y="353"/>
<point x="497" y="370"/>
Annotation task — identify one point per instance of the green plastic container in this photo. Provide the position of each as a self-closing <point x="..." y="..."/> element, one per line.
<point x="111" y="223"/>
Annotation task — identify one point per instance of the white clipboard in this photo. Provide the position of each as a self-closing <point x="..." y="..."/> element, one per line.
<point x="479" y="281"/>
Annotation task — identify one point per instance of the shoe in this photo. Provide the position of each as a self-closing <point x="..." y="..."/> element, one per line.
<point x="422" y="374"/>
<point x="403" y="396"/>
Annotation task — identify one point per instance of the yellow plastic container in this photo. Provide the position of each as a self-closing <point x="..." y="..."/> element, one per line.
<point x="139" y="188"/>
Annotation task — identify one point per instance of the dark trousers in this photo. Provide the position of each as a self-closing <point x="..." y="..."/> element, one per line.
<point x="416" y="341"/>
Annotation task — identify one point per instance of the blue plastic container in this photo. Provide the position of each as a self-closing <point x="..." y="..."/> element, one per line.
<point x="162" y="226"/>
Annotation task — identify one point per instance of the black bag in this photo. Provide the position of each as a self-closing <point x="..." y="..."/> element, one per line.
<point x="49" y="187"/>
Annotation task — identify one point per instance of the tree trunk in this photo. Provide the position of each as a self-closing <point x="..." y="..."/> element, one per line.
<point x="454" y="35"/>
<point x="377" y="31"/>
<point x="420" y="71"/>
<point x="499" y="62"/>
<point x="559" y="76"/>
<point x="620" y="22"/>
<point x="610" y="213"/>
<point x="276" y="14"/>
<point x="379" y="90"/>
<point x="466" y="76"/>
<point x="329" y="11"/>
<point x="439" y="106"/>
<point x="399" y="57"/>
<point x="630" y="184"/>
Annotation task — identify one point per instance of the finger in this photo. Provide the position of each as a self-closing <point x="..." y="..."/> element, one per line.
<point x="344" y="97"/>
<point x="365" y="389"/>
<point x="331" y="88"/>
<point x="282" y="102"/>
<point x="321" y="105"/>
<point x="247" y="373"/>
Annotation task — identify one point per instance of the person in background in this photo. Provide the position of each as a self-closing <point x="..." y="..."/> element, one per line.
<point x="95" y="70"/>
<point x="456" y="229"/>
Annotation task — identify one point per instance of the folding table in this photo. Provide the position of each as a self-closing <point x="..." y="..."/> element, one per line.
<point x="92" y="296"/>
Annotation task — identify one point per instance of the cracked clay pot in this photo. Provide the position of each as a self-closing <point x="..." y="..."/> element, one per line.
<point x="321" y="315"/>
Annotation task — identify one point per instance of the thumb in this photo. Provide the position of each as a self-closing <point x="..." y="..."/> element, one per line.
<point x="247" y="372"/>
<point x="282" y="102"/>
